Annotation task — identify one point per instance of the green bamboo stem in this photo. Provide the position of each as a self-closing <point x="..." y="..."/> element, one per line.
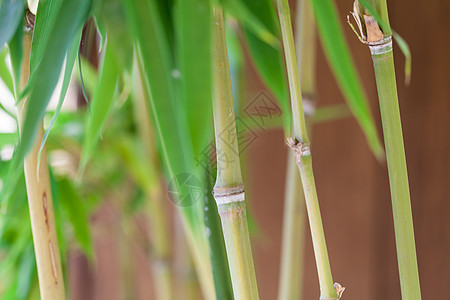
<point x="383" y="62"/>
<point x="398" y="176"/>
<point x="300" y="146"/>
<point x="291" y="272"/>
<point x="378" y="36"/>
<point x="157" y="213"/>
<point x="40" y="202"/>
<point x="229" y="187"/>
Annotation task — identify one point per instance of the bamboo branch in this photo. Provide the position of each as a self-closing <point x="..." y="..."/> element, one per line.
<point x="380" y="44"/>
<point x="40" y="202"/>
<point x="291" y="272"/>
<point x="299" y="144"/>
<point x="229" y="187"/>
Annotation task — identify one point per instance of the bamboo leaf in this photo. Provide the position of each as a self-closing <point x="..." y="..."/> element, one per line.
<point x="69" y="20"/>
<point x="111" y="18"/>
<point x="11" y="12"/>
<point x="243" y="12"/>
<point x="269" y="60"/>
<point x="193" y="39"/>
<point x="70" y="61"/>
<point x="146" y="26"/>
<point x="26" y="272"/>
<point x="102" y="102"/>
<point x="5" y="73"/>
<point x="217" y="251"/>
<point x="76" y="213"/>
<point x="339" y="58"/>
<point x="16" y="53"/>
<point x="47" y="13"/>
<point x="8" y="139"/>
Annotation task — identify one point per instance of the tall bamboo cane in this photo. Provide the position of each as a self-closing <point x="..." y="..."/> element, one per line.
<point x="229" y="187"/>
<point x="379" y="39"/>
<point x="300" y="146"/>
<point x="291" y="272"/>
<point x="48" y="260"/>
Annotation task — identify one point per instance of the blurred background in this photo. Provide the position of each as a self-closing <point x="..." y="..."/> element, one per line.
<point x="352" y="185"/>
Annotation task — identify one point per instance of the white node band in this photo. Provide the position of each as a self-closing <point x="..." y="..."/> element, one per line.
<point x="233" y="198"/>
<point x="381" y="47"/>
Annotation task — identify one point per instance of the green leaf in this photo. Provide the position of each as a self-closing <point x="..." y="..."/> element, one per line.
<point x="111" y="17"/>
<point x="11" y="12"/>
<point x="8" y="139"/>
<point x="193" y="27"/>
<point x="217" y="251"/>
<point x="157" y="65"/>
<point x="70" y="61"/>
<point x="5" y="73"/>
<point x="26" y="272"/>
<point x="47" y="13"/>
<point x="269" y="60"/>
<point x="251" y="19"/>
<point x="136" y="163"/>
<point x="338" y="55"/>
<point x="42" y="82"/>
<point x="16" y="53"/>
<point x="169" y="119"/>
<point x="78" y="216"/>
<point x="102" y="102"/>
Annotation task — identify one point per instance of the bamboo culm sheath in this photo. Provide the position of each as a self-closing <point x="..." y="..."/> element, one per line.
<point x="229" y="188"/>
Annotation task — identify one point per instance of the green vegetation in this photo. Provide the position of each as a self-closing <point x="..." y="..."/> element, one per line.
<point x="155" y="103"/>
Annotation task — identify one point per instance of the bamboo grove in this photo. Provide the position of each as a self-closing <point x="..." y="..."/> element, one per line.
<point x="161" y="102"/>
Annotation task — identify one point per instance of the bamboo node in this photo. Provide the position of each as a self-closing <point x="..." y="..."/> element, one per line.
<point x="229" y="195"/>
<point x="300" y="149"/>
<point x="381" y="47"/>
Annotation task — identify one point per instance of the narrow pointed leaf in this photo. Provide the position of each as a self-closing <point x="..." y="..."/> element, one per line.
<point x="338" y="55"/>
<point x="70" y="61"/>
<point x="43" y="79"/>
<point x="5" y="73"/>
<point x="102" y="102"/>
<point x="269" y="60"/>
<point x="11" y="12"/>
<point x="193" y="39"/>
<point x="76" y="213"/>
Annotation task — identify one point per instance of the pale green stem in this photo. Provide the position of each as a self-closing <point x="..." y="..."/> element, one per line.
<point x="40" y="202"/>
<point x="291" y="272"/>
<point x="398" y="176"/>
<point x="300" y="145"/>
<point x="229" y="187"/>
<point x="383" y="63"/>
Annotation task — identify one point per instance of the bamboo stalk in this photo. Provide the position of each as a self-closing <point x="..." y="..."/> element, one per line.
<point x="299" y="144"/>
<point x="40" y="202"/>
<point x="380" y="44"/>
<point x="291" y="272"/>
<point x="229" y="187"/>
